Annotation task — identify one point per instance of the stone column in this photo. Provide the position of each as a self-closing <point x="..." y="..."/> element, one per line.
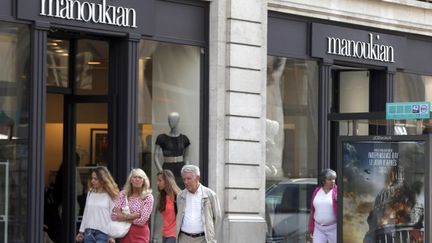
<point x="238" y="54"/>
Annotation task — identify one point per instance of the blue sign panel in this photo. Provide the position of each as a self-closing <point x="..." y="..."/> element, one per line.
<point x="408" y="110"/>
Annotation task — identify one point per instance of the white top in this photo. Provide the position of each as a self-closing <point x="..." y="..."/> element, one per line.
<point x="97" y="212"/>
<point x="323" y="204"/>
<point x="192" y="221"/>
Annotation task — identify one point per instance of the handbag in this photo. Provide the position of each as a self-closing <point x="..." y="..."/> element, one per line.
<point x="118" y="229"/>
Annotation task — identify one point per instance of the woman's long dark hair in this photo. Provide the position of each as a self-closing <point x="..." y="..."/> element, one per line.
<point x="171" y="189"/>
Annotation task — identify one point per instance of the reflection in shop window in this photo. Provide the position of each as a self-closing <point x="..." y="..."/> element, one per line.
<point x="292" y="110"/>
<point x="291" y="146"/>
<point x="14" y="117"/>
<point x="92" y="61"/>
<point x="57" y="62"/>
<point x="412" y="88"/>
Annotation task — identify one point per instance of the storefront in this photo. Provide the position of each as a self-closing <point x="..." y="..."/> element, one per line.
<point x="87" y="83"/>
<point x="326" y="80"/>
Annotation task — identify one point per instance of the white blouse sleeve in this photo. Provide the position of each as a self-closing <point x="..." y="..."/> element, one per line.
<point x="85" y="214"/>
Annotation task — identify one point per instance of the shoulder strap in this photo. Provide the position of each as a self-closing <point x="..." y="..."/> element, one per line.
<point x="175" y="204"/>
<point x="126" y="200"/>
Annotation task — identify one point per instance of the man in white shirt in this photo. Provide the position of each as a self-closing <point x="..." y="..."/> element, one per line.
<point x="198" y="209"/>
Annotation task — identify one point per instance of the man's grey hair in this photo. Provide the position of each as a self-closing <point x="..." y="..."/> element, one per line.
<point x="191" y="169"/>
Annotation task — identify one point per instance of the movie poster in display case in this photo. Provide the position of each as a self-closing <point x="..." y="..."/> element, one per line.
<point x="382" y="192"/>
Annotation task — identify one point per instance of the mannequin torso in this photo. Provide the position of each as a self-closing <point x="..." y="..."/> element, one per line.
<point x="171" y="150"/>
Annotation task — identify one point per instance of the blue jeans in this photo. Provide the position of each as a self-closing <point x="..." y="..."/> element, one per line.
<point x="95" y="236"/>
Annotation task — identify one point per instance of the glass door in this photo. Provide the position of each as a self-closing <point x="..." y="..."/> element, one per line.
<point x="76" y="129"/>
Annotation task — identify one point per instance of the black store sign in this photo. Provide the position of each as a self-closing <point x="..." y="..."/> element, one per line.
<point x="113" y="15"/>
<point x="6" y="8"/>
<point x="351" y="45"/>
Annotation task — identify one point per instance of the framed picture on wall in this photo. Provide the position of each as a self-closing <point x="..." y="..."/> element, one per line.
<point x="98" y="146"/>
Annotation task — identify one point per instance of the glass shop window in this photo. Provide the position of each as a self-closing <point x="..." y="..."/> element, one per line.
<point x="169" y="98"/>
<point x="412" y="88"/>
<point x="291" y="146"/>
<point x="14" y="141"/>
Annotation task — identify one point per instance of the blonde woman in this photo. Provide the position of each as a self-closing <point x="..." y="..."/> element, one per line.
<point x="103" y="192"/>
<point x="166" y="204"/>
<point x="137" y="194"/>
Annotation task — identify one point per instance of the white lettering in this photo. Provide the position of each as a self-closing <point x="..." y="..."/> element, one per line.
<point x="344" y="49"/>
<point x="108" y="16"/>
<point x="75" y="7"/>
<point x="64" y="11"/>
<point x="120" y="19"/>
<point x="97" y="15"/>
<point x="57" y="9"/>
<point x="362" y="50"/>
<point x="101" y="13"/>
<point x="131" y="17"/>
<point x="42" y="12"/>
<point x="87" y="11"/>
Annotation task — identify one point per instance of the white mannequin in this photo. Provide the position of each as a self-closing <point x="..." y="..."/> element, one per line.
<point x="272" y="129"/>
<point x="173" y="120"/>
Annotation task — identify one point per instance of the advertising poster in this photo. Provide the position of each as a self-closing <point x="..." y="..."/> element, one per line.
<point x="383" y="191"/>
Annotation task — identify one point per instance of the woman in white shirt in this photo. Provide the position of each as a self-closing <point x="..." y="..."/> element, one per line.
<point x="323" y="214"/>
<point x="103" y="191"/>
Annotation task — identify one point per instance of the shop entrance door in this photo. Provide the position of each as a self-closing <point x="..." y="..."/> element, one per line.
<point x="76" y="129"/>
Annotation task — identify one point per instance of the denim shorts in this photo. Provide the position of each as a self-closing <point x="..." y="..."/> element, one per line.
<point x="95" y="236"/>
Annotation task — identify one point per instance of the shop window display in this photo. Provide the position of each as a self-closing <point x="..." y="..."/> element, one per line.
<point x="291" y="146"/>
<point x="169" y="81"/>
<point x="171" y="149"/>
<point x="169" y="84"/>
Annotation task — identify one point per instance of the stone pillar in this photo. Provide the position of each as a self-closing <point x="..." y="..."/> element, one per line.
<point x="238" y="54"/>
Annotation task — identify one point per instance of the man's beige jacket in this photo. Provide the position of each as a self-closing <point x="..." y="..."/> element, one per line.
<point x="210" y="214"/>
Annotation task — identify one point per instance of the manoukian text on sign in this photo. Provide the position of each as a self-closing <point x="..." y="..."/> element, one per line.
<point x="101" y="13"/>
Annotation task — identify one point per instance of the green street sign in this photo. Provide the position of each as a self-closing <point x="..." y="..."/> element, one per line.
<point x="408" y="110"/>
